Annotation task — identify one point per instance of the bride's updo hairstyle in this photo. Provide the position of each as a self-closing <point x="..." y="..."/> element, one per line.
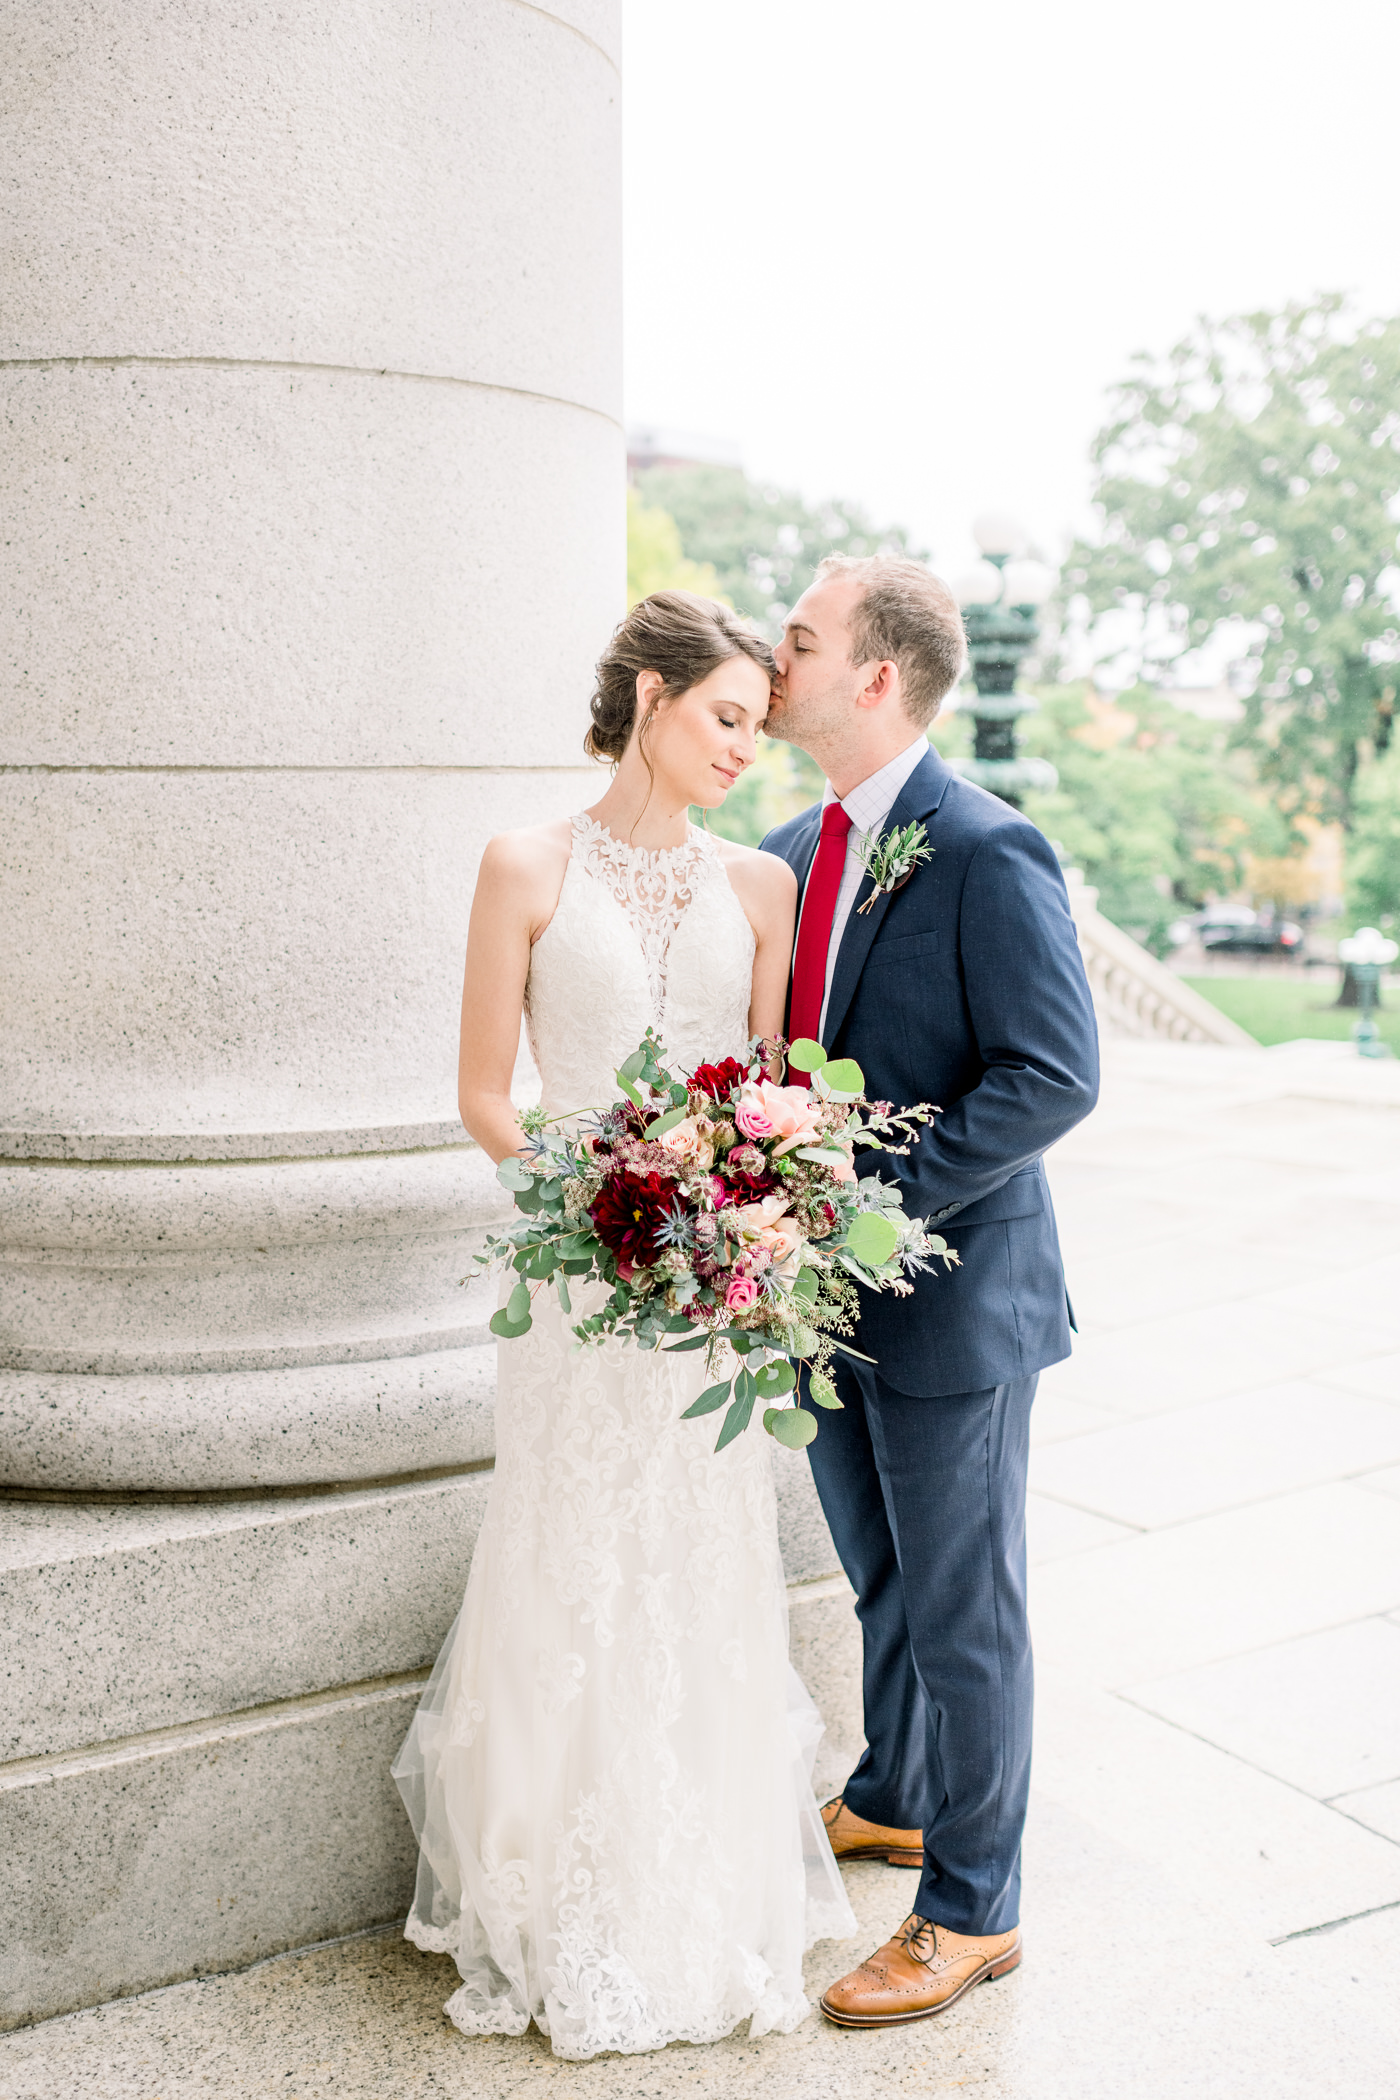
<point x="680" y="636"/>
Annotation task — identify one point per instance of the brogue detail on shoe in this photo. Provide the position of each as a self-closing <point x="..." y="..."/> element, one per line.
<point x="921" y="1971"/>
<point x="853" y="1838"/>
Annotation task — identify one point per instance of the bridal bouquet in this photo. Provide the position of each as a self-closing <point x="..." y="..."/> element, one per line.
<point x="719" y="1207"/>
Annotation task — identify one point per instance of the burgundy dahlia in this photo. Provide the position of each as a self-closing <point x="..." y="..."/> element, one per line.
<point x="719" y="1081"/>
<point x="627" y="1212"/>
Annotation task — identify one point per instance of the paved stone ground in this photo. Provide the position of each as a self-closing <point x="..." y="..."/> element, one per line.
<point x="1213" y="1862"/>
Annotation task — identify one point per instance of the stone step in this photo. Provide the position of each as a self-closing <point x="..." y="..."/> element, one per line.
<point x="194" y="1849"/>
<point x="127" y="1617"/>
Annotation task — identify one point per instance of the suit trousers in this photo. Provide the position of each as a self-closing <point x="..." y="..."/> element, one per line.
<point x="926" y="1500"/>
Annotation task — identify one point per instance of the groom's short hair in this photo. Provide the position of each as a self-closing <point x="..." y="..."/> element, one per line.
<point x="907" y="615"/>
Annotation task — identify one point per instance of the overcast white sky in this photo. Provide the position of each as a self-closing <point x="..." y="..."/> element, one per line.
<point x="896" y="251"/>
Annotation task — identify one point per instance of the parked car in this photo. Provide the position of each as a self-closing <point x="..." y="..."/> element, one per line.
<point x="1233" y="929"/>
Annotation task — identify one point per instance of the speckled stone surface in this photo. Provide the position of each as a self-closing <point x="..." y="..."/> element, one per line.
<point x="1126" y="1989"/>
<point x="357" y="235"/>
<point x="807" y="1548"/>
<point x="202" y="1849"/>
<point x="248" y="1429"/>
<point x="124" y="1619"/>
<point x="268" y="959"/>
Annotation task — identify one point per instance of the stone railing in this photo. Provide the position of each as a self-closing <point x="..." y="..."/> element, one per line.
<point x="1134" y="994"/>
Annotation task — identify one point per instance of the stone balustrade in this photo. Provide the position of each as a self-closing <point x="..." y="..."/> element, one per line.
<point x="1134" y="994"/>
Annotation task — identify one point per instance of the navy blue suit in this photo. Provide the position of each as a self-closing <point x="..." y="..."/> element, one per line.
<point x="964" y="988"/>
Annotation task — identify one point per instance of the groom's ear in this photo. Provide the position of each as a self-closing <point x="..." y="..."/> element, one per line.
<point x="880" y="682"/>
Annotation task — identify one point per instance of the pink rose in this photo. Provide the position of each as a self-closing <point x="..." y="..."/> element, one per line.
<point x="691" y="1140"/>
<point x="781" y="1111"/>
<point x="782" y="1238"/>
<point x="751" y="1115"/>
<point x="752" y="1218"/>
<point x="742" y="1295"/>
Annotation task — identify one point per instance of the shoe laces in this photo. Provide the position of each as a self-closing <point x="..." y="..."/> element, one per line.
<point x="919" y="1937"/>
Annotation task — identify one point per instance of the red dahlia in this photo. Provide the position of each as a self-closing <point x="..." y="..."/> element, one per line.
<point x="626" y="1213"/>
<point x="719" y="1081"/>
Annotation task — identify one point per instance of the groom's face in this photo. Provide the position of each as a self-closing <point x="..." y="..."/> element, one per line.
<point x="814" y="696"/>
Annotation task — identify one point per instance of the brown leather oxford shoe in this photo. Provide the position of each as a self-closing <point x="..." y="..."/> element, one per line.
<point x="923" y="1970"/>
<point x="853" y="1838"/>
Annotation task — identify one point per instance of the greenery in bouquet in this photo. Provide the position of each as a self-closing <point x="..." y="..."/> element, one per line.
<point x="720" y="1211"/>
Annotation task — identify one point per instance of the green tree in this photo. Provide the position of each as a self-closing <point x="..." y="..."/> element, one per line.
<point x="656" y="561"/>
<point x="1159" y="819"/>
<point x="1373" y="850"/>
<point x="1248" y="476"/>
<point x="763" y="543"/>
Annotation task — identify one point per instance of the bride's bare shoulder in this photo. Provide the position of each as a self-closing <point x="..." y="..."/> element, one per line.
<point x="530" y="861"/>
<point x="533" y="846"/>
<point x="761" y="881"/>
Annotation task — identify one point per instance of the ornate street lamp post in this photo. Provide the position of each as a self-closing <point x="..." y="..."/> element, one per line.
<point x="1000" y="596"/>
<point x="1368" y="951"/>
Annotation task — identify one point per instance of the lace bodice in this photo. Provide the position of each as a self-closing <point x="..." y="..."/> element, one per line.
<point x="638" y="939"/>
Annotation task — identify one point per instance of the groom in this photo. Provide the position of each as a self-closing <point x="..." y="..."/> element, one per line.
<point x="964" y="987"/>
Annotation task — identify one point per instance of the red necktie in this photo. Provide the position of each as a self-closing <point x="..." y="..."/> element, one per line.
<point x="814" y="933"/>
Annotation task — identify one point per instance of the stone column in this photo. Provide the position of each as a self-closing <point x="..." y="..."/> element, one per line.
<point x="311" y="492"/>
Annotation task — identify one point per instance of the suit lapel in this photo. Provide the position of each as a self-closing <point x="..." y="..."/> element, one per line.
<point x="918" y="800"/>
<point x="803" y="850"/>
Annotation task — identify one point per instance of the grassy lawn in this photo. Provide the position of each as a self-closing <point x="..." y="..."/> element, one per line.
<point x="1278" y="1009"/>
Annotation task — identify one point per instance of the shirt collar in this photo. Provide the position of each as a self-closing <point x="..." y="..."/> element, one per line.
<point x="869" y="803"/>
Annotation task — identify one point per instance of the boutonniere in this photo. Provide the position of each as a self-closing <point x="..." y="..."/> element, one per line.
<point x="890" y="858"/>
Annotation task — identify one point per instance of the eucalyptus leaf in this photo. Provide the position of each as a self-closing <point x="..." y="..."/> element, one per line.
<point x="517" y="1305"/>
<point x="806" y="1287"/>
<point x="698" y="1341"/>
<point x="844" y="1076"/>
<point x="821" y="1390"/>
<point x="736" y="1421"/>
<point x="775" y="1379"/>
<point x="501" y="1323"/>
<point x="804" y="1340"/>
<point x="806" y="1056"/>
<point x="633" y="1067"/>
<point x="871" y="1238"/>
<point x="512" y="1173"/>
<point x="667" y="1122"/>
<point x="792" y="1426"/>
<point x="713" y="1396"/>
<point x="563" y="1290"/>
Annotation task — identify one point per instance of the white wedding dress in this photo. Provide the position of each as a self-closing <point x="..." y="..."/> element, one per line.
<point x="609" y="1773"/>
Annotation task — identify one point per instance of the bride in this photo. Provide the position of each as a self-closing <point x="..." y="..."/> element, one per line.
<point x="609" y="1774"/>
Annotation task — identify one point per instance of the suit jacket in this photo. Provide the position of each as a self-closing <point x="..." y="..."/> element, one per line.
<point x="966" y="988"/>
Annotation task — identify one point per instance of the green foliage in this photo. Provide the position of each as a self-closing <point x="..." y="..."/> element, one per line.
<point x="1158" y="820"/>
<point x="762" y="543"/>
<point x="1248" y="476"/>
<point x="1373" y="855"/>
<point x="656" y="561"/>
